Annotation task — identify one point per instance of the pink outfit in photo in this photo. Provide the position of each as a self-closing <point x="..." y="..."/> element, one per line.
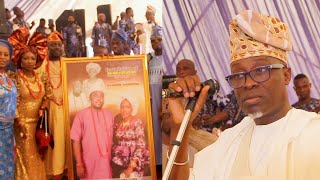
<point x="94" y="129"/>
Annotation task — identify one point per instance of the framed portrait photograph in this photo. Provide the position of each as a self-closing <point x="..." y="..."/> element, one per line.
<point x="108" y="116"/>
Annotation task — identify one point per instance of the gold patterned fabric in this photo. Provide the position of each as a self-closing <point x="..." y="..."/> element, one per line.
<point x="55" y="159"/>
<point x="29" y="165"/>
<point x="253" y="34"/>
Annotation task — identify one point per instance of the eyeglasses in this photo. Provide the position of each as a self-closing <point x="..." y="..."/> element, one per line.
<point x="259" y="75"/>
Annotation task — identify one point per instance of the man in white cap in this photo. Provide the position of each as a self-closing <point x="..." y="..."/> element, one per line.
<point x="275" y="141"/>
<point x="150" y="17"/>
<point x="92" y="137"/>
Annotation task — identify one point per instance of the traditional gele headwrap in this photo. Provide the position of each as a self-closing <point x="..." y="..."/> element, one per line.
<point x="21" y="43"/>
<point x="253" y="34"/>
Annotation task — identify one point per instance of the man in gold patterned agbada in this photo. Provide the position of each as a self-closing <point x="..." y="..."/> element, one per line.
<point x="55" y="160"/>
<point x="275" y="141"/>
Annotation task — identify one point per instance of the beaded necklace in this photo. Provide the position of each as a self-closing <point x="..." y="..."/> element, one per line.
<point x="48" y="71"/>
<point x="59" y="102"/>
<point x="26" y="82"/>
<point x="96" y="134"/>
<point x="3" y="84"/>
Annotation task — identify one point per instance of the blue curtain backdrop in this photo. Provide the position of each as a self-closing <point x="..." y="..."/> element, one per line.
<point x="198" y="30"/>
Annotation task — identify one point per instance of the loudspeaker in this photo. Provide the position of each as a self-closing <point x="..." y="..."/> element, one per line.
<point x="105" y="9"/>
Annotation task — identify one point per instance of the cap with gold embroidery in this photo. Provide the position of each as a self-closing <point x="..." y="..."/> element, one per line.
<point x="55" y="36"/>
<point x="253" y="34"/>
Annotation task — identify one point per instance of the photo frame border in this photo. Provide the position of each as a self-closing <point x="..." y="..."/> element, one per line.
<point x="65" y="87"/>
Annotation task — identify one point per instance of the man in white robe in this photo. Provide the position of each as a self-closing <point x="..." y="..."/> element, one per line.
<point x="275" y="141"/>
<point x="150" y="17"/>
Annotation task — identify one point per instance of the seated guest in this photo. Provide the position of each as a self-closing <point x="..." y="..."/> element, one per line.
<point x="185" y="67"/>
<point x="302" y="87"/>
<point x="217" y="116"/>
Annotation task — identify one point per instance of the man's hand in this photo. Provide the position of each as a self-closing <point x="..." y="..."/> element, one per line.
<point x="81" y="170"/>
<point x="188" y="86"/>
<point x="40" y="112"/>
<point x="21" y="127"/>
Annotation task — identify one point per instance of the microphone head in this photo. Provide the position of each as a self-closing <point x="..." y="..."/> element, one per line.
<point x="166" y="80"/>
<point x="214" y="86"/>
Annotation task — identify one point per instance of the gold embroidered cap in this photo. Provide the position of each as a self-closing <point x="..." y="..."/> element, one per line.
<point x="253" y="34"/>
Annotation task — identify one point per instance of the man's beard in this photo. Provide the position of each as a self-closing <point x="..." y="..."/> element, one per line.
<point x="52" y="56"/>
<point x="255" y="115"/>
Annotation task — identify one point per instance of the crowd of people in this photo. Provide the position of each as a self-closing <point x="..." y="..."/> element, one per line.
<point x="31" y="83"/>
<point x="136" y="36"/>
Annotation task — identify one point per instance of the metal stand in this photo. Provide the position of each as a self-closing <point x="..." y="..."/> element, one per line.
<point x="184" y="124"/>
